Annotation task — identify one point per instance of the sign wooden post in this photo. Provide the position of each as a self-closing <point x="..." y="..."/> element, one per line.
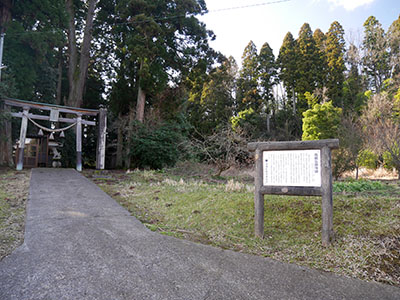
<point x="294" y="168"/>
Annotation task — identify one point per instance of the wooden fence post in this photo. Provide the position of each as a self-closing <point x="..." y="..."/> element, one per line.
<point x="22" y="136"/>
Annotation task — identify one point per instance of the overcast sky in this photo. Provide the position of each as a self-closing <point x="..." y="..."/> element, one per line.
<point x="260" y="23"/>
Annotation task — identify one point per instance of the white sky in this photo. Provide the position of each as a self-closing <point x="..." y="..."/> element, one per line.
<point x="270" y="23"/>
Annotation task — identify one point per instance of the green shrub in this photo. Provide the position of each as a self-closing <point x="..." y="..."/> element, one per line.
<point x="157" y="147"/>
<point x="368" y="159"/>
<point x="321" y="122"/>
<point x="388" y="161"/>
<point x="342" y="161"/>
<point x="358" y="186"/>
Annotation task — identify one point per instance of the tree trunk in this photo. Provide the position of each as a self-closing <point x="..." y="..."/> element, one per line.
<point x="59" y="79"/>
<point x="294" y="102"/>
<point x="85" y="53"/>
<point x="72" y="50"/>
<point x="120" y="140"/>
<point x="5" y="14"/>
<point x="77" y="74"/>
<point x="129" y="139"/>
<point x="141" y="99"/>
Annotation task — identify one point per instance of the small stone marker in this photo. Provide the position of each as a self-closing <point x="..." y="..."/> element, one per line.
<point x="294" y="168"/>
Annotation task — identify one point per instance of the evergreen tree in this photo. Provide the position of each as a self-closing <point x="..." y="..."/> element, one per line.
<point x="335" y="50"/>
<point x="393" y="37"/>
<point x="321" y="122"/>
<point x="322" y="68"/>
<point x="267" y="73"/>
<point x="353" y="86"/>
<point x="248" y="95"/>
<point x="287" y="63"/>
<point x="31" y="47"/>
<point x="213" y="106"/>
<point x="308" y="62"/>
<point x="164" y="40"/>
<point x="376" y="56"/>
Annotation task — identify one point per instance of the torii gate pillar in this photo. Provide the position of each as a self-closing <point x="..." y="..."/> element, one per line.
<point x="79" y="142"/>
<point x="22" y="136"/>
<point x="101" y="140"/>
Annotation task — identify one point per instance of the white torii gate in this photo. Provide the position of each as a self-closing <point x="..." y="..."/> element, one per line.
<point x="54" y="117"/>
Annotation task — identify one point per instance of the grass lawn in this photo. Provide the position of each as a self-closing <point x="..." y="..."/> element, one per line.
<point x="187" y="202"/>
<point x="14" y="188"/>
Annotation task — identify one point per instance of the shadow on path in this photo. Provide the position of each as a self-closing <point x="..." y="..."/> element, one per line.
<point x="80" y="244"/>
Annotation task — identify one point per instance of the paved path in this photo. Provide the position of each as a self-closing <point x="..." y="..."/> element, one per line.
<point x="80" y="244"/>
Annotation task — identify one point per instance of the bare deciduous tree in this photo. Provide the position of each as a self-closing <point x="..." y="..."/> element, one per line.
<point x="224" y="148"/>
<point x="382" y="127"/>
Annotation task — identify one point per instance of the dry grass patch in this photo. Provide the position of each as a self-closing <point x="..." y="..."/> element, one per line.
<point x="220" y="211"/>
<point x="14" y="189"/>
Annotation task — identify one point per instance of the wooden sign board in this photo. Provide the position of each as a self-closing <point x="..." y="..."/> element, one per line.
<point x="294" y="168"/>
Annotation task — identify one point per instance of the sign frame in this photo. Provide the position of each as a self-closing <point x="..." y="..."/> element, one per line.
<point x="325" y="190"/>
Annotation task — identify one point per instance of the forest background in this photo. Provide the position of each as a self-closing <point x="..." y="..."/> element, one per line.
<point x="170" y="96"/>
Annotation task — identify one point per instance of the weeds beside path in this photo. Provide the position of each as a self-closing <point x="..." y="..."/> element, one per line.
<point x="14" y="187"/>
<point x="190" y="204"/>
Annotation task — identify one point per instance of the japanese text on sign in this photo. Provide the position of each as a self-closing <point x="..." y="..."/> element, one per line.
<point x="292" y="168"/>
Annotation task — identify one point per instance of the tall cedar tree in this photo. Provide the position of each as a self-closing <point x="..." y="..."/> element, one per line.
<point x="335" y="50"/>
<point x="213" y="106"/>
<point x="308" y="61"/>
<point x="322" y="68"/>
<point x="248" y="95"/>
<point x="267" y="73"/>
<point x="376" y="56"/>
<point x="354" y="85"/>
<point x="164" y="40"/>
<point x="287" y="63"/>
<point x="31" y="47"/>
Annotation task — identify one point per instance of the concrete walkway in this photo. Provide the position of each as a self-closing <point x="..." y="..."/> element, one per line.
<point x="80" y="244"/>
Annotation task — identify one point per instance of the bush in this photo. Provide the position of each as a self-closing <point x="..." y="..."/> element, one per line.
<point x="341" y="162"/>
<point x="157" y="147"/>
<point x="368" y="159"/>
<point x="321" y="122"/>
<point x="388" y="160"/>
<point x="224" y="148"/>
<point x="358" y="186"/>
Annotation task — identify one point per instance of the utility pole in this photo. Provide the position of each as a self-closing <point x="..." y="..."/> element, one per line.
<point x="1" y="52"/>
